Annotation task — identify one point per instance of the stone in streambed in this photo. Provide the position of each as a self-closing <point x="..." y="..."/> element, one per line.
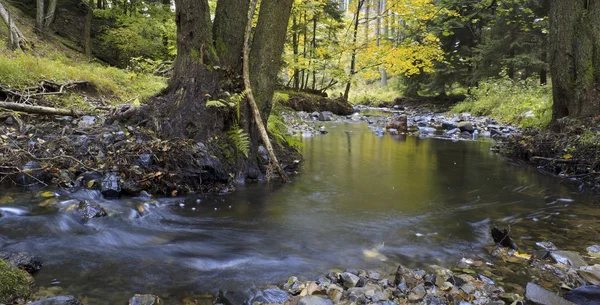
<point x="542" y="296"/>
<point x="145" y="299"/>
<point x="110" y="186"/>
<point x="314" y="300"/>
<point x="417" y="293"/>
<point x="568" y="258"/>
<point x="349" y="280"/>
<point x="60" y="300"/>
<point x="325" y="116"/>
<point x="466" y="126"/>
<point x="590" y="274"/>
<point x="594" y="251"/>
<point x="588" y="295"/>
<point x="88" y="210"/>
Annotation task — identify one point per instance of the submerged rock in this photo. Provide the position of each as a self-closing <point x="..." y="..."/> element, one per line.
<point x="400" y="123"/>
<point x="22" y="261"/>
<point x="594" y="251"/>
<point x="542" y="296"/>
<point x="91" y="210"/>
<point x="314" y="300"/>
<point x="60" y="300"/>
<point x="251" y="296"/>
<point x="145" y="299"/>
<point x="568" y="258"/>
<point x="584" y="295"/>
<point x="590" y="274"/>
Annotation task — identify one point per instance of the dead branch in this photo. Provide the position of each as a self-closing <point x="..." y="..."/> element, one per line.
<point x="568" y="161"/>
<point x="39" y="109"/>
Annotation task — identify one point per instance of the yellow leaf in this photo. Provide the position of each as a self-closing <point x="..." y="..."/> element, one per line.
<point x="567" y="156"/>
<point x="91" y="183"/>
<point x="174" y="193"/>
<point x="6" y="199"/>
<point x="46" y="194"/>
<point x="522" y="255"/>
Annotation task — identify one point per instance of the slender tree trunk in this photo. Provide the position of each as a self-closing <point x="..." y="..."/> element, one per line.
<point x="543" y="70"/>
<point x="367" y="20"/>
<point x="575" y="58"/>
<point x="15" y="37"/>
<point x="383" y="76"/>
<point x="255" y="111"/>
<point x="39" y="16"/>
<point x="88" y="30"/>
<point x="304" y="46"/>
<point x="295" y="50"/>
<point x="50" y="14"/>
<point x="359" y="5"/>
<point x="314" y="51"/>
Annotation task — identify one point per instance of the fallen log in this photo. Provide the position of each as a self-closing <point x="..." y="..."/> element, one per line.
<point x="39" y="109"/>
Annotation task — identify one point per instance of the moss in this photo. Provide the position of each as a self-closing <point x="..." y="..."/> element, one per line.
<point x="14" y="283"/>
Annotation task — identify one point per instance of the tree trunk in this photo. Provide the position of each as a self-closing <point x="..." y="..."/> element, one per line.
<point x="228" y="31"/>
<point x="39" y="16"/>
<point x="367" y="21"/>
<point x="359" y="5"/>
<point x="383" y="75"/>
<point x="295" y="50"/>
<point x="15" y="37"/>
<point x="50" y="14"/>
<point x="253" y="106"/>
<point x="575" y="58"/>
<point x="88" y="30"/>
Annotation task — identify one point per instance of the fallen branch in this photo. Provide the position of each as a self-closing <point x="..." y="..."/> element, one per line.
<point x="39" y="109"/>
<point x="257" y="119"/>
<point x="567" y="161"/>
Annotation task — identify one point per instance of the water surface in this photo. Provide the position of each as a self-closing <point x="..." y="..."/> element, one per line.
<point x="361" y="201"/>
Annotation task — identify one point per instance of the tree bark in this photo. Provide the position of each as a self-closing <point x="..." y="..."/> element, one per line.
<point x="50" y="13"/>
<point x="39" y="16"/>
<point x="255" y="111"/>
<point x="38" y="109"/>
<point x="359" y="5"/>
<point x="295" y="50"/>
<point x="15" y="37"/>
<point x="88" y="30"/>
<point x="575" y="58"/>
<point x="382" y="74"/>
<point x="228" y="32"/>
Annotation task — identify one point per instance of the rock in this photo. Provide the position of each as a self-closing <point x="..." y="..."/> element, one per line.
<point x="22" y="261"/>
<point x="546" y="245"/>
<point x="145" y="299"/>
<point x="468" y="288"/>
<point x="590" y="274"/>
<point x="568" y="258"/>
<point x="326" y="116"/>
<point x="236" y="297"/>
<point x="32" y="173"/>
<point x="427" y="130"/>
<point x="406" y="275"/>
<point x="594" y="251"/>
<point x="452" y="132"/>
<point x="315" y="114"/>
<point x="272" y="296"/>
<point x="15" y="284"/>
<point x="145" y="159"/>
<point x="86" y="121"/>
<point x="65" y="300"/>
<point x="335" y="295"/>
<point x="466" y="126"/>
<point x="263" y="153"/>
<point x="417" y="293"/>
<point x="108" y="139"/>
<point x="212" y="169"/>
<point x="449" y="125"/>
<point x="503" y="239"/>
<point x="398" y="107"/>
<point x="542" y="296"/>
<point x="314" y="300"/>
<point x="91" y="210"/>
<point x="110" y="185"/>
<point x="588" y="295"/>
<point x="400" y="123"/>
<point x="349" y="280"/>
<point x="393" y="131"/>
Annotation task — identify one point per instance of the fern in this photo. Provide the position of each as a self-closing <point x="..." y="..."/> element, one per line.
<point x="240" y="140"/>
<point x="218" y="103"/>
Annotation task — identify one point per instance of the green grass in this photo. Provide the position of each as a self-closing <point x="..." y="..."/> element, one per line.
<point x="19" y="70"/>
<point x="523" y="103"/>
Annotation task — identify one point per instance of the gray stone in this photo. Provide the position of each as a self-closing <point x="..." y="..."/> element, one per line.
<point x="60" y="300"/>
<point x="262" y="151"/>
<point x="86" y="121"/>
<point x="22" y="261"/>
<point x="569" y="258"/>
<point x="542" y="296"/>
<point x="145" y="159"/>
<point x="314" y="300"/>
<point x="349" y="280"/>
<point x="594" y="250"/>
<point x="590" y="274"/>
<point x="212" y="170"/>
<point x="427" y="130"/>
<point x="468" y="288"/>
<point x="326" y="116"/>
<point x="110" y="186"/>
<point x="91" y="210"/>
<point x="452" y="131"/>
<point x="588" y="295"/>
<point x="449" y="125"/>
<point x="32" y="173"/>
<point x="546" y="245"/>
<point x="9" y="121"/>
<point x="466" y="126"/>
<point x="145" y="299"/>
<point x="417" y="293"/>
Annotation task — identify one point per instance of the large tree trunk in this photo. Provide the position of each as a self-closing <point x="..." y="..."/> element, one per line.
<point x="50" y="13"/>
<point x="228" y="32"/>
<point x="359" y="5"/>
<point x="575" y="58"/>
<point x="15" y="37"/>
<point x="39" y="16"/>
<point x="87" y="32"/>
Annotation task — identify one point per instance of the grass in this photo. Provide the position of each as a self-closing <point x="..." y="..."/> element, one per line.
<point x="523" y="103"/>
<point x="18" y="70"/>
<point x="368" y="93"/>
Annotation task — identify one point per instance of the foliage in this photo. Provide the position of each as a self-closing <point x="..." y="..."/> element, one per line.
<point x="25" y="69"/>
<point x="516" y="102"/>
<point x="148" y="33"/>
<point x="14" y="283"/>
<point x="278" y="130"/>
<point x="240" y="138"/>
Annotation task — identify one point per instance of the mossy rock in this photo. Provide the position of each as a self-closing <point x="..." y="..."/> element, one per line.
<point x="15" y="284"/>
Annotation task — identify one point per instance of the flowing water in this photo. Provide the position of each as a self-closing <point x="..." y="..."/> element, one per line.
<point x="361" y="201"/>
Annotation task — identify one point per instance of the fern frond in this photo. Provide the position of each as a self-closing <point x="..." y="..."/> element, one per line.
<point x="240" y="140"/>
<point x="217" y="103"/>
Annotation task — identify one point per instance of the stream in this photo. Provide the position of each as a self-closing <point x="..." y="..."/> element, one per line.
<point x="361" y="201"/>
